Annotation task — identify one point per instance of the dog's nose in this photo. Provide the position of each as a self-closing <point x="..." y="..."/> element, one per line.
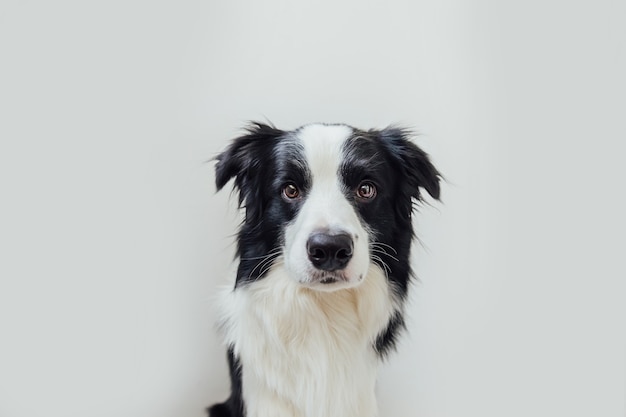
<point x="329" y="252"/>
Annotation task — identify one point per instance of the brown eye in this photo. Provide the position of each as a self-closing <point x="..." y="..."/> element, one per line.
<point x="366" y="191"/>
<point x="290" y="191"/>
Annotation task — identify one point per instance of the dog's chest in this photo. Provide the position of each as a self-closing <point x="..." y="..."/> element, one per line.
<point x="306" y="353"/>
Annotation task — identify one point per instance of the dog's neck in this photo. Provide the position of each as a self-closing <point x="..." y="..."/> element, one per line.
<point x="307" y="353"/>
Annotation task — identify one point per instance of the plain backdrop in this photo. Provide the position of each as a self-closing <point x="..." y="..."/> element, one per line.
<point x="113" y="241"/>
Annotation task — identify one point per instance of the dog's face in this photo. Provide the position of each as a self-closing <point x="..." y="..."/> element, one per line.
<point x="327" y="200"/>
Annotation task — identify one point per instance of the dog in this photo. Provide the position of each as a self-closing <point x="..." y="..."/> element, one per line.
<point x="323" y="273"/>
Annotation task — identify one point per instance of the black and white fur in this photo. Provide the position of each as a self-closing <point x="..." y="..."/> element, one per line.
<point x="323" y="265"/>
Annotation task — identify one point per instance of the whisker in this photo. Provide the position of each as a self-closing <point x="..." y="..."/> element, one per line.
<point x="267" y="259"/>
<point x="261" y="265"/>
<point x="267" y="268"/>
<point x="269" y="265"/>
<point x="384" y="244"/>
<point x="386" y="268"/>
<point x="386" y="253"/>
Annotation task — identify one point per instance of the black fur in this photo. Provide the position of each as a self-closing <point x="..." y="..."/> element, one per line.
<point x="252" y="161"/>
<point x="233" y="407"/>
<point x="386" y="341"/>
<point x="265" y="157"/>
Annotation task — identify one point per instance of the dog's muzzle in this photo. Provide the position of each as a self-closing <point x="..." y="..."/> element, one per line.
<point x="329" y="252"/>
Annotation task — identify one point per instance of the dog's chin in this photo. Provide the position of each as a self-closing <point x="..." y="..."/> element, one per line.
<point x="330" y="281"/>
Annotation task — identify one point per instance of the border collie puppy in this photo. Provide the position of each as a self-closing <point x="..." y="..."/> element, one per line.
<point x="323" y="265"/>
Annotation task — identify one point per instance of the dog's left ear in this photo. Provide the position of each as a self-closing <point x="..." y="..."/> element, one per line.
<point x="418" y="171"/>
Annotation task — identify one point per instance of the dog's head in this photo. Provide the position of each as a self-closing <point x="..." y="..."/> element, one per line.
<point x="327" y="200"/>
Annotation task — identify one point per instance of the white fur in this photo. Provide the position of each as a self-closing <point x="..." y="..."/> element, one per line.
<point x="307" y="353"/>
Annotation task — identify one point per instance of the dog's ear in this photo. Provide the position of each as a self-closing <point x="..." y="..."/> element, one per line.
<point x="242" y="160"/>
<point x="418" y="171"/>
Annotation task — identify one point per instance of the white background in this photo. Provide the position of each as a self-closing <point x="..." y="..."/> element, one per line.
<point x="113" y="242"/>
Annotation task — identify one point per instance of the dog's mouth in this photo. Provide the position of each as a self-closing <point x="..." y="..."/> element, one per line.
<point x="330" y="281"/>
<point x="327" y="279"/>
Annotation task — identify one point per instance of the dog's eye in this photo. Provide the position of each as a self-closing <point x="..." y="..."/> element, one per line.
<point x="366" y="191"/>
<point x="290" y="191"/>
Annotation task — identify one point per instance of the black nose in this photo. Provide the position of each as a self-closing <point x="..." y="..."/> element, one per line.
<point x="329" y="252"/>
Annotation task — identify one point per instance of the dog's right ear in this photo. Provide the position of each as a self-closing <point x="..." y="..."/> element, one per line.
<point x="241" y="159"/>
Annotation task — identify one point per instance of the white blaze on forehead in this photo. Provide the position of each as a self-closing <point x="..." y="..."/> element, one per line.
<point x="323" y="149"/>
<point x="326" y="207"/>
